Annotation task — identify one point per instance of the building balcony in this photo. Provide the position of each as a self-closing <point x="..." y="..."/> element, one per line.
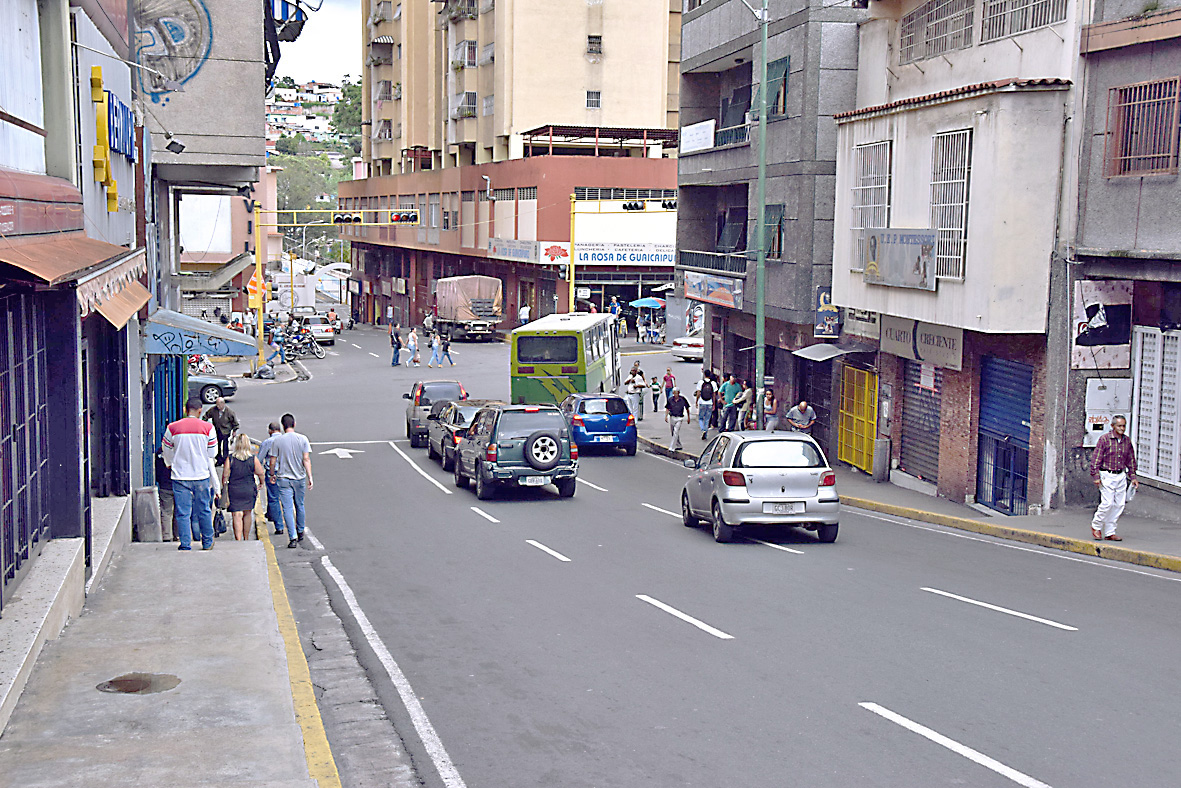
<point x="728" y="263"/>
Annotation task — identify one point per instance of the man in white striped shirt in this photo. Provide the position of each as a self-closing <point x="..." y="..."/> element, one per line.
<point x="189" y="447"/>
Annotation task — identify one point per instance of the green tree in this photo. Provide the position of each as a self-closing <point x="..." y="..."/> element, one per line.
<point x="289" y="146"/>
<point x="285" y="82"/>
<point x="346" y="117"/>
<point x="301" y="181"/>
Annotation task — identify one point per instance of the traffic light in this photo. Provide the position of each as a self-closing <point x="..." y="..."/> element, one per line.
<point x="668" y="205"/>
<point x="635" y="205"/>
<point x="346" y="218"/>
<point x="403" y="217"/>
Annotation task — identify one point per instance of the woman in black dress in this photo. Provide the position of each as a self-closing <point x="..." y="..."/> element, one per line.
<point x="241" y="477"/>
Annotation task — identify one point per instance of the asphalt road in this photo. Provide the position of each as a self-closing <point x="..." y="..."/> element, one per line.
<point x="655" y="657"/>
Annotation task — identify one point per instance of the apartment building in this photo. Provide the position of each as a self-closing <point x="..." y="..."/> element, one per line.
<point x="950" y="212"/>
<point x="1124" y="292"/>
<point x="489" y="117"/>
<point x="812" y="64"/>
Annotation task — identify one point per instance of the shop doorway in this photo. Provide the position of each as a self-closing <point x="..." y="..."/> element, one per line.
<point x="1002" y="460"/>
<point x="922" y="399"/>
<point x="816" y="388"/>
<point x="857" y="425"/>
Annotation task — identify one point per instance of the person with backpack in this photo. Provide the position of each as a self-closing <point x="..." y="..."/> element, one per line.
<point x="705" y="401"/>
<point x="446" y="350"/>
<point x="396" y="344"/>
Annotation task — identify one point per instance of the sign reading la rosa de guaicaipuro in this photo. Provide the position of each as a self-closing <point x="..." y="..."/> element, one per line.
<point x="942" y="346"/>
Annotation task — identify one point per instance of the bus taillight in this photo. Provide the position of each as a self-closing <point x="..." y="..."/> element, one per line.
<point x="524" y="370"/>
<point x="569" y="370"/>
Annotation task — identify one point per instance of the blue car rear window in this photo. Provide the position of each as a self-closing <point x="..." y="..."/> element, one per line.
<point x="607" y="405"/>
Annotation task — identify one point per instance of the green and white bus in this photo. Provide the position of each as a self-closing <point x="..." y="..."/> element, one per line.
<point x="563" y="354"/>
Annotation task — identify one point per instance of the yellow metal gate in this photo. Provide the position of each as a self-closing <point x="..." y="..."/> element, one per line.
<point x="858" y="418"/>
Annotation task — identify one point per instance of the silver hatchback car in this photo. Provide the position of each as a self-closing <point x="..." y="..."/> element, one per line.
<point x="761" y="478"/>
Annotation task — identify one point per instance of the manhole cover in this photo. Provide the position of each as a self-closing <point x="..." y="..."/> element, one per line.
<point x="139" y="683"/>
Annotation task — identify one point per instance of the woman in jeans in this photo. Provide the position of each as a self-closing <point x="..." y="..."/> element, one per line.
<point x="241" y="476"/>
<point x="771" y="409"/>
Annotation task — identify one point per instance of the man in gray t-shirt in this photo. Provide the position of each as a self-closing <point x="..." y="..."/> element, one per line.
<point x="802" y="417"/>
<point x="289" y="463"/>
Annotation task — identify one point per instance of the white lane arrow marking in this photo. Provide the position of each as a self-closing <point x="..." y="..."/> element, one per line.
<point x="344" y="454"/>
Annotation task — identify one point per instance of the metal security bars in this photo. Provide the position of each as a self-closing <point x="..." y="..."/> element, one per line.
<point x="24" y="435"/>
<point x="871" y="194"/>
<point x="1142" y="127"/>
<point x="1002" y="18"/>
<point x="951" y="157"/>
<point x="608" y="193"/>
<point x="936" y="27"/>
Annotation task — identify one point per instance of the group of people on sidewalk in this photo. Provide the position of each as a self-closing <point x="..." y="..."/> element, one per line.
<point x="725" y="406"/>
<point x="438" y="342"/>
<point x="198" y="470"/>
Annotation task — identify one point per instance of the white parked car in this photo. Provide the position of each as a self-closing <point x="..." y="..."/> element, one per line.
<point x="761" y="478"/>
<point x="690" y="348"/>
<point x="321" y="329"/>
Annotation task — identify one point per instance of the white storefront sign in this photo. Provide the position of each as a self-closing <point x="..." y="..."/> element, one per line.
<point x="510" y="249"/>
<point x="698" y="136"/>
<point x="607" y="253"/>
<point x="942" y="346"/>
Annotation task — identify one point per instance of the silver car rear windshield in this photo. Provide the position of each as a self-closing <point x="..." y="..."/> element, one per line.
<point x="778" y="454"/>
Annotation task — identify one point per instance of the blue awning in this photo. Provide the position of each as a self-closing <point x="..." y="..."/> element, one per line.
<point x="171" y="333"/>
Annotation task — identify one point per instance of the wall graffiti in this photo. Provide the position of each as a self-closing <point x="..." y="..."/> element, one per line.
<point x="170" y="340"/>
<point x="173" y="37"/>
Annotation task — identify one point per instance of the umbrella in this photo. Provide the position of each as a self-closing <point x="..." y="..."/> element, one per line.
<point x="648" y="303"/>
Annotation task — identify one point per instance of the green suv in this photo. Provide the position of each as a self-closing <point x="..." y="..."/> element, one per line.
<point x="518" y="446"/>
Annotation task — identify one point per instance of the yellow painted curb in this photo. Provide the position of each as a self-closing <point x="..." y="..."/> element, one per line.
<point x="1082" y="546"/>
<point x="321" y="764"/>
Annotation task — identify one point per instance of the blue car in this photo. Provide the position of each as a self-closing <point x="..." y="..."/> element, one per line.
<point x="600" y="420"/>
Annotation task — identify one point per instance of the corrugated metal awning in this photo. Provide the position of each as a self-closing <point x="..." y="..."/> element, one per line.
<point x="59" y="258"/>
<point x="119" y="308"/>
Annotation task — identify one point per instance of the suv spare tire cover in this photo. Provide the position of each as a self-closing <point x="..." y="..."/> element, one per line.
<point x="543" y="450"/>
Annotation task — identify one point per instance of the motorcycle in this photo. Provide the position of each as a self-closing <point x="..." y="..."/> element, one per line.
<point x="303" y="344"/>
<point x="201" y="365"/>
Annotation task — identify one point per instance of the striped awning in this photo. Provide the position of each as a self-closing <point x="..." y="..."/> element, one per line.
<point x="383" y="40"/>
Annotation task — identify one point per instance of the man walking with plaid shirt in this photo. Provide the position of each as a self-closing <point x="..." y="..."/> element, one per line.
<point x="1113" y="467"/>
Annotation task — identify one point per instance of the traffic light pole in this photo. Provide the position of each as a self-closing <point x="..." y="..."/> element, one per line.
<point x="570" y="267"/>
<point x="260" y="295"/>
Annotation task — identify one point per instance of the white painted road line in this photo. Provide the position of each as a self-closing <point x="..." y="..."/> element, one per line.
<point x="354" y="344"/>
<point x="484" y="514"/>
<point x="592" y="485"/>
<point x="421" y="472"/>
<point x="663" y="459"/>
<point x="662" y="511"/>
<point x="995" y="541"/>
<point x="704" y="627"/>
<point x="545" y="549"/>
<point x="315" y="542"/>
<point x="337" y="443"/>
<point x="375" y="355"/>
<point x="776" y="546"/>
<point x="1005" y="610"/>
<point x="426" y="732"/>
<point x="972" y="755"/>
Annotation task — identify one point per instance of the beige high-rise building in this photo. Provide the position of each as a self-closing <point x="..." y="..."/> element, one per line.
<point x="460" y="82"/>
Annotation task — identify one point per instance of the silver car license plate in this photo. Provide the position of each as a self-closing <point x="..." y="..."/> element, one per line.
<point x="534" y="481"/>
<point x="794" y="507"/>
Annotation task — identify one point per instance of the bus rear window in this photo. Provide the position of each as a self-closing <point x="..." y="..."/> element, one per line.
<point x="547" y="349"/>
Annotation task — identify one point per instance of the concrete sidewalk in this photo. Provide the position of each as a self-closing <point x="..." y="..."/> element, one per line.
<point x="218" y="708"/>
<point x="1147" y="542"/>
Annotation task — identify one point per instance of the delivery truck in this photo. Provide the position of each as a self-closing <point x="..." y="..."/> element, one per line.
<point x="468" y="307"/>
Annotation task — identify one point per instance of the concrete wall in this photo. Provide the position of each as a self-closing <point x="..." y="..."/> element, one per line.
<point x="214" y="49"/>
<point x="1016" y="145"/>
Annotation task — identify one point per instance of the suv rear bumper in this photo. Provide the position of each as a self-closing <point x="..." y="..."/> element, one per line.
<point x="513" y="475"/>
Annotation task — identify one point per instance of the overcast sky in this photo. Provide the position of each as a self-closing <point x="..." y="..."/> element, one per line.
<point x="328" y="48"/>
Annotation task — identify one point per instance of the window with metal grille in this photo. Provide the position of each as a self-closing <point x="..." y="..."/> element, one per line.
<point x="594" y="99"/>
<point x="777" y="92"/>
<point x="773" y="231"/>
<point x="936" y="27"/>
<point x="608" y="193"/>
<point x="594" y="45"/>
<point x="488" y="54"/>
<point x="1002" y="18"/>
<point x="433" y="212"/>
<point x="1142" y="128"/>
<point x="467" y="196"/>
<point x="527" y="193"/>
<point x="503" y="194"/>
<point x="871" y="194"/>
<point x="951" y="167"/>
<point x="465" y="53"/>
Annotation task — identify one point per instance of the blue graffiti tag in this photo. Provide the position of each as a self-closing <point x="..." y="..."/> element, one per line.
<point x="174" y="38"/>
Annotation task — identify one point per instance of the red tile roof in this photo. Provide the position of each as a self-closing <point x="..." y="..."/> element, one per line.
<point x="960" y="92"/>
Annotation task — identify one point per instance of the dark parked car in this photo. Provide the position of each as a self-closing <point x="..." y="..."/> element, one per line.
<point x="208" y="388"/>
<point x="447" y="423"/>
<point x="423" y="395"/>
<point x="518" y="446"/>
<point x="601" y="420"/>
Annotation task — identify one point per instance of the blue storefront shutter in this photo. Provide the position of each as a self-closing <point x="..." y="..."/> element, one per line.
<point x="1006" y="391"/>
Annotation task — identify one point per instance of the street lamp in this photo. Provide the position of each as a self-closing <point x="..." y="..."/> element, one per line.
<point x="760" y="225"/>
